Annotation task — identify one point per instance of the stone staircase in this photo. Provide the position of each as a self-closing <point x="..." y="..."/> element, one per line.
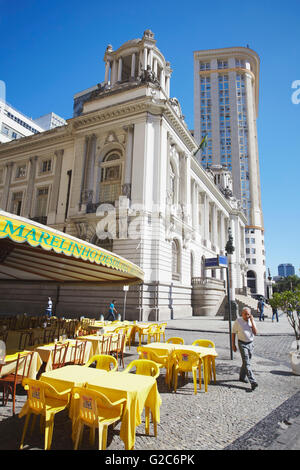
<point x="247" y="301"/>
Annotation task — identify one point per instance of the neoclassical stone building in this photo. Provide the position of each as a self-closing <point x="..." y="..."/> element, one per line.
<point x="122" y="174"/>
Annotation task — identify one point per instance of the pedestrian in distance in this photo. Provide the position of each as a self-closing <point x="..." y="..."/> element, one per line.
<point x="275" y="314"/>
<point x="112" y="310"/>
<point x="260" y="310"/>
<point x="49" y="307"/>
<point x="245" y="329"/>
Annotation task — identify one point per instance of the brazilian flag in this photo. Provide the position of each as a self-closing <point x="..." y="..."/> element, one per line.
<point x="202" y="145"/>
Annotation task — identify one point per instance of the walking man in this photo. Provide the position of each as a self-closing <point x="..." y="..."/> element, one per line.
<point x="260" y="309"/>
<point x="112" y="311"/>
<point x="245" y="329"/>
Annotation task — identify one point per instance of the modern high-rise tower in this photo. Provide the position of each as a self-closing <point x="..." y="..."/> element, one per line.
<point x="226" y="84"/>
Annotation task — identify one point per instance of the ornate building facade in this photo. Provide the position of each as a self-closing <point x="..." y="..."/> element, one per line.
<point x="122" y="174"/>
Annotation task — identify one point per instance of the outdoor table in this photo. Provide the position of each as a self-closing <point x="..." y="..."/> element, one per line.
<point x="168" y="348"/>
<point x="138" y="390"/>
<point x="96" y="342"/>
<point x="46" y="352"/>
<point x="11" y="362"/>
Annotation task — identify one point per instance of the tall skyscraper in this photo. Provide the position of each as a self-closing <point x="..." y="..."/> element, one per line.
<point x="226" y="84"/>
<point x="286" y="269"/>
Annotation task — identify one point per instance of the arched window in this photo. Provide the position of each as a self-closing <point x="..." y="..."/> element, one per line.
<point x="251" y="281"/>
<point x="111" y="177"/>
<point x="175" y="260"/>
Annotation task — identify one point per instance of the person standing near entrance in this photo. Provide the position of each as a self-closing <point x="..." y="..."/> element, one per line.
<point x="49" y="307"/>
<point x="245" y="329"/>
<point x="112" y="310"/>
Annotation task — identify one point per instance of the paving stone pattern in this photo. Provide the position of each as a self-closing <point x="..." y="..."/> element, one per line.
<point x="229" y="416"/>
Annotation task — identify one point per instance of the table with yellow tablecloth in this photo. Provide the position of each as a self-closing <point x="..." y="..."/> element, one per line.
<point x="46" y="352"/>
<point x="138" y="390"/>
<point x="204" y="353"/>
<point x="11" y="362"/>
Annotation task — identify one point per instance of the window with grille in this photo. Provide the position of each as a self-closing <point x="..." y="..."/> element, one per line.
<point x="46" y="166"/>
<point x="17" y="203"/>
<point x="111" y="178"/>
<point x="41" y="202"/>
<point x="21" y="171"/>
<point x="175" y="260"/>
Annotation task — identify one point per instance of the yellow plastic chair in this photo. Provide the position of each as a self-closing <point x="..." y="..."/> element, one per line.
<point x="104" y="362"/>
<point x="162" y="361"/>
<point x="129" y="335"/>
<point x="152" y="333"/>
<point x="175" y="340"/>
<point x="143" y="331"/>
<point x="207" y="343"/>
<point x="43" y="400"/>
<point x="161" y="331"/>
<point x="145" y="367"/>
<point x="95" y="411"/>
<point x="186" y="361"/>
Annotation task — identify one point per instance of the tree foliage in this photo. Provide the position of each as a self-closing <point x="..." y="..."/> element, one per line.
<point x="289" y="302"/>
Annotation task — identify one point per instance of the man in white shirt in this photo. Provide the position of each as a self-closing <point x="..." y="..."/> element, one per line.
<point x="245" y="329"/>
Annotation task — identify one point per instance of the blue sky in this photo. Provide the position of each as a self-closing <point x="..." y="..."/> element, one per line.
<point x="52" y="49"/>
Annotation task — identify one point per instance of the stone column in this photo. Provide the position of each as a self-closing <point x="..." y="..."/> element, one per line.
<point x="107" y="68"/>
<point x="88" y="171"/>
<point x="30" y="187"/>
<point x="120" y="63"/>
<point x="150" y="58"/>
<point x="114" y="72"/>
<point x="206" y="217"/>
<point x="155" y="66"/>
<point x="145" y="58"/>
<point x="9" y="167"/>
<point x="133" y="66"/>
<point x="162" y="79"/>
<point x="126" y="189"/>
<point x="56" y="182"/>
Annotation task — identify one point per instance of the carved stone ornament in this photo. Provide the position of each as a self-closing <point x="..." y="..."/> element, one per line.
<point x="87" y="196"/>
<point x="126" y="190"/>
<point x="148" y="76"/>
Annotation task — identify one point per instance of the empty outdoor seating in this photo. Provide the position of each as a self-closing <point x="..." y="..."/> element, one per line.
<point x="150" y="368"/>
<point x="186" y="361"/>
<point x="117" y="346"/>
<point x="10" y="381"/>
<point x="59" y="355"/>
<point x="207" y="343"/>
<point x="25" y="339"/>
<point x="161" y="332"/>
<point x="175" y="340"/>
<point x="104" y="362"/>
<point x="43" y="400"/>
<point x="97" y="412"/>
<point x="78" y="353"/>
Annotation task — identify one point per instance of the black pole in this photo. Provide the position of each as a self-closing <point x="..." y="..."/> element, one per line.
<point x="229" y="310"/>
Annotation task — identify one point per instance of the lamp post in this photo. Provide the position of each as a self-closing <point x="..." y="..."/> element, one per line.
<point x="229" y="248"/>
<point x="125" y="289"/>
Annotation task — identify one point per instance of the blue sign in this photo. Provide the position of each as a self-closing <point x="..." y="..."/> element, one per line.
<point x="218" y="262"/>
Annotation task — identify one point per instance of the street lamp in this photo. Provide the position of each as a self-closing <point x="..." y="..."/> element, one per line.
<point x="229" y="249"/>
<point x="125" y="289"/>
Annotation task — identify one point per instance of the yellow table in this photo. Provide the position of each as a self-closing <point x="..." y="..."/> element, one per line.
<point x="46" y="352"/>
<point x="11" y="362"/>
<point x="168" y="348"/>
<point x="138" y="390"/>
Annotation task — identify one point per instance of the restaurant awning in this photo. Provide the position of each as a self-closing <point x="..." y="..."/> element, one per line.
<point x="32" y="251"/>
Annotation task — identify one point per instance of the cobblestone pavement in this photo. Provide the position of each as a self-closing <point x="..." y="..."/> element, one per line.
<point x="228" y="417"/>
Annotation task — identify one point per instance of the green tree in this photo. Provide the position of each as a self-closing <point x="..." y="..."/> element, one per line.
<point x="289" y="302"/>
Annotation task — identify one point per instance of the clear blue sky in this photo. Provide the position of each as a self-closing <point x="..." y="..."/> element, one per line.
<point x="52" y="49"/>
